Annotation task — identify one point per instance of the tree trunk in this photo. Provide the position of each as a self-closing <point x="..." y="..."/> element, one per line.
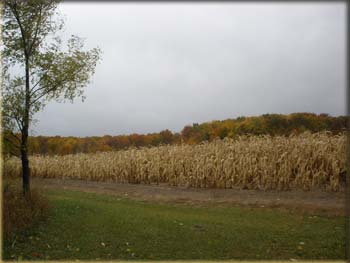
<point x="24" y="145"/>
<point x="25" y="170"/>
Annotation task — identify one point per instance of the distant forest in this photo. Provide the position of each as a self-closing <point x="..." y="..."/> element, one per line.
<point x="267" y="124"/>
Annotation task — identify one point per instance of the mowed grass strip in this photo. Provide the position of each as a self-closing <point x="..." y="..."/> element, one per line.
<point x="88" y="226"/>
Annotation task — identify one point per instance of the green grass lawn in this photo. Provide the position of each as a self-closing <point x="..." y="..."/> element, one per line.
<point x="91" y="226"/>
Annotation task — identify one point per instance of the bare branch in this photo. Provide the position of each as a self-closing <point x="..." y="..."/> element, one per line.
<point x="12" y="143"/>
<point x="15" y="136"/>
<point x="42" y="95"/>
<point x="17" y="154"/>
<point x="15" y="12"/>
<point x="36" y="30"/>
<point x="62" y="81"/>
<point x="17" y="120"/>
<point x="32" y="91"/>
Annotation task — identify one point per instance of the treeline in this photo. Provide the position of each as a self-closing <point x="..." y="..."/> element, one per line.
<point x="272" y="124"/>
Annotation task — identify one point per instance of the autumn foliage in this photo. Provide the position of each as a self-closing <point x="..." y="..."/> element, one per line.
<point x="267" y="124"/>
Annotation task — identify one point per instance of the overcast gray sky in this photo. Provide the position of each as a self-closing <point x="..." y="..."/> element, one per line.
<point x="166" y="65"/>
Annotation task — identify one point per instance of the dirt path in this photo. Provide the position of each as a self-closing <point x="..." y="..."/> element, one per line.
<point x="309" y="202"/>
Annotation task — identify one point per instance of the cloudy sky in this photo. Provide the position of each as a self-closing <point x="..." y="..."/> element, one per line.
<point x="166" y="65"/>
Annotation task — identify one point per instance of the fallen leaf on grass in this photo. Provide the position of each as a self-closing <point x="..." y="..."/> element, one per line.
<point x="35" y="254"/>
<point x="13" y="244"/>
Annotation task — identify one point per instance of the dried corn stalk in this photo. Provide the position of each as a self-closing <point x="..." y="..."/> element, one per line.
<point x="305" y="161"/>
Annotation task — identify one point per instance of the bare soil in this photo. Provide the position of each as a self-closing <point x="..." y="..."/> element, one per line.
<point x="310" y="202"/>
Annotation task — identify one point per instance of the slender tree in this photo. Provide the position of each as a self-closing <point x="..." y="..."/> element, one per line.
<point x="36" y="69"/>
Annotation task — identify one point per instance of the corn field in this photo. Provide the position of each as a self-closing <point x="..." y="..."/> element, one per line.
<point x="304" y="161"/>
